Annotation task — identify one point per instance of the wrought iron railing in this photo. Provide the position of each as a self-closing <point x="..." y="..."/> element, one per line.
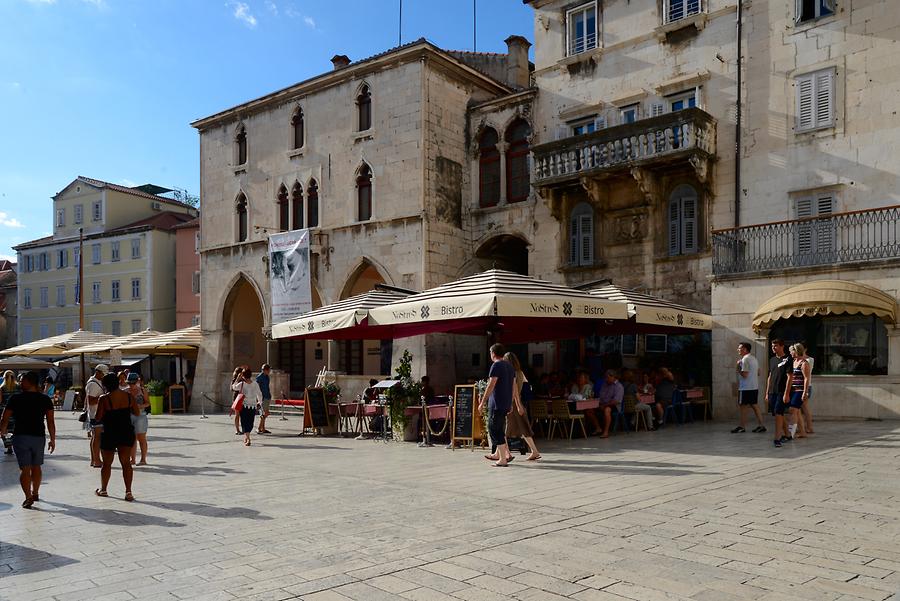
<point x="853" y="237"/>
<point x="675" y="133"/>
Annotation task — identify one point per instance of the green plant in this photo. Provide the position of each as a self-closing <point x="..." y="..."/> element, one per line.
<point x="404" y="394"/>
<point x="480" y="387"/>
<point x="156" y="388"/>
<point x="332" y="390"/>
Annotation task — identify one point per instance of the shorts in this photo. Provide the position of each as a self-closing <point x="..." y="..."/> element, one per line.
<point x="796" y="399"/>
<point x="780" y="407"/>
<point x="29" y="449"/>
<point x="774" y="398"/>
<point x="266" y="403"/>
<point x="497" y="427"/>
<point x="141" y="423"/>
<point x="748" y="397"/>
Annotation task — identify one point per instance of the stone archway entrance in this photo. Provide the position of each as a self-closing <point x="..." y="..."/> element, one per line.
<point x="503" y="252"/>
<point x="242" y="323"/>
<point x="358" y="357"/>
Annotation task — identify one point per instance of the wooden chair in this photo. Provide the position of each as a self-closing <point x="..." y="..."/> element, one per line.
<point x="699" y="397"/>
<point x="539" y="414"/>
<point x="561" y="413"/>
<point x="628" y="403"/>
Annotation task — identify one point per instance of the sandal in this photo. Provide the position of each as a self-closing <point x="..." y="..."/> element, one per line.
<point x="499" y="465"/>
<point x="142" y="463"/>
<point x="27" y="503"/>
<point x="100" y="493"/>
<point x="491" y="457"/>
<point x="129" y="497"/>
<point x="534" y="457"/>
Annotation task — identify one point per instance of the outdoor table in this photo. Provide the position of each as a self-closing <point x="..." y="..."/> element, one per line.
<point x="582" y="405"/>
<point x="647" y="399"/>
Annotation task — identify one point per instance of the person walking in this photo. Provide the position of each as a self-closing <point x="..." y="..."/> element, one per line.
<point x="776" y="386"/>
<point x="798" y="392"/>
<point x="264" y="388"/>
<point x="93" y="390"/>
<point x="517" y="423"/>
<point x="251" y="398"/>
<point x="140" y="421"/>
<point x="748" y="388"/>
<point x="499" y="398"/>
<point x="7" y="389"/>
<point x="114" y="411"/>
<point x="235" y="406"/>
<point x="30" y="408"/>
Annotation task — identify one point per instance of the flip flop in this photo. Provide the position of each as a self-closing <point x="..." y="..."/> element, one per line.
<point x="490" y="458"/>
<point x="129" y="497"/>
<point x="100" y="493"/>
<point x="533" y="458"/>
<point x="27" y="503"/>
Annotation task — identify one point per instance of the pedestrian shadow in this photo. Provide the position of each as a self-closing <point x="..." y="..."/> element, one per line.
<point x="184" y="470"/>
<point x="106" y="517"/>
<point x="4" y="507"/>
<point x="169" y="455"/>
<point x="25" y="560"/>
<point x="300" y="447"/>
<point x="212" y="511"/>
<point x="613" y="467"/>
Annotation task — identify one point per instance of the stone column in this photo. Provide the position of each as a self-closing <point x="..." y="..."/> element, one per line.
<point x="501" y="148"/>
<point x="893" y="333"/>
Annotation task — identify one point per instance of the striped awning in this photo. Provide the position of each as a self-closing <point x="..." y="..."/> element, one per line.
<point x="653" y="310"/>
<point x="56" y="345"/>
<point x="341" y="315"/>
<point x="105" y="346"/>
<point x="500" y="294"/>
<point x="185" y="340"/>
<point x="826" y="297"/>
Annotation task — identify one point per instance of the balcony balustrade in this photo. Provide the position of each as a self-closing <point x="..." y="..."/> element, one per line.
<point x="840" y="238"/>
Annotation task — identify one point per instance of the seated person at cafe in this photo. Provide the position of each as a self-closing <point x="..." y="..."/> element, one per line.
<point x="371" y="393"/>
<point x="631" y="392"/>
<point x="557" y="385"/>
<point x="665" y="389"/>
<point x="647" y="386"/>
<point x="611" y="396"/>
<point x="582" y="389"/>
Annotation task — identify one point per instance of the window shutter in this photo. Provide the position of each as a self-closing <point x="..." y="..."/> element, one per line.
<point x="562" y="131"/>
<point x="804" y="231"/>
<point x="825" y="234"/>
<point x="798" y="10"/>
<point x="573" y="240"/>
<point x="805" y="108"/>
<point x="829" y="5"/>
<point x="657" y="109"/>
<point x="600" y="122"/>
<point x="689" y="224"/>
<point x="586" y="227"/>
<point x="674" y="227"/>
<point x="824" y="81"/>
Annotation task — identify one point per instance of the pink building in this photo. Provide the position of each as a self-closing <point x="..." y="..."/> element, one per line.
<point x="187" y="274"/>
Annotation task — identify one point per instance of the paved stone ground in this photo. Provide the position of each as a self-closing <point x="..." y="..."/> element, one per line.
<point x="690" y="512"/>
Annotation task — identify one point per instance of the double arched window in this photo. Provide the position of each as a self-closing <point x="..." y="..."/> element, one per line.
<point x="240" y="145"/>
<point x="283" y="222"/>
<point x="297" y="206"/>
<point x="581" y="235"/>
<point x="364" y="108"/>
<point x="518" y="179"/>
<point x="297" y="132"/>
<point x="488" y="169"/>
<point x="312" y="204"/>
<point x="242" y="224"/>
<point x="364" y="193"/>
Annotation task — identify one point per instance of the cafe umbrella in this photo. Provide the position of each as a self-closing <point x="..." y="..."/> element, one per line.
<point x="647" y="313"/>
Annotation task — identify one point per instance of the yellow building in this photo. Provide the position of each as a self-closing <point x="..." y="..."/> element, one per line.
<point x="129" y="262"/>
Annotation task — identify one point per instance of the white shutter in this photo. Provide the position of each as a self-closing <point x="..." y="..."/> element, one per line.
<point x="798" y="10"/>
<point x="562" y="131"/>
<point x="586" y="243"/>
<point x="824" y="84"/>
<point x="674" y="227"/>
<point x="805" y="108"/>
<point x="600" y="122"/>
<point x="573" y="240"/>
<point x="656" y="109"/>
<point x="804" y="230"/>
<point x="689" y="224"/>
<point x="825" y="235"/>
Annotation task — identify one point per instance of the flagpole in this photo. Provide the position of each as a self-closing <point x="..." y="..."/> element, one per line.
<point x="81" y="299"/>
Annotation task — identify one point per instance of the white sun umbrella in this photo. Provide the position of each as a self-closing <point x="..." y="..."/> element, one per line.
<point x="55" y="346"/>
<point x="167" y="343"/>
<point x="20" y="362"/>
<point x="652" y="310"/>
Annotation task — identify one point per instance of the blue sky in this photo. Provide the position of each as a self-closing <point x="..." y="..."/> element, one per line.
<point x="107" y="88"/>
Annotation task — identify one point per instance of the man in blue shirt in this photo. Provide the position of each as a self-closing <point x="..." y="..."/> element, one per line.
<point x="499" y="397"/>
<point x="263" y="380"/>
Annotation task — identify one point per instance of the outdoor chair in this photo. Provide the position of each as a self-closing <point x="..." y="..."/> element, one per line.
<point x="678" y="409"/>
<point x="561" y="413"/>
<point x="628" y="408"/>
<point x="621" y="418"/>
<point x="539" y="414"/>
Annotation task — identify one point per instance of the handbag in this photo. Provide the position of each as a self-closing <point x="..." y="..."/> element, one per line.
<point x="238" y="401"/>
<point x="82" y="417"/>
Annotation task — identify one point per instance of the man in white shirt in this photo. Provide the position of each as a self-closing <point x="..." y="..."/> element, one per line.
<point x="748" y="388"/>
<point x="93" y="390"/>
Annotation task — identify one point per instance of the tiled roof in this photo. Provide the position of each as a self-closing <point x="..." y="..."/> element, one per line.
<point x="195" y="222"/>
<point x="126" y="190"/>
<point x="161" y="221"/>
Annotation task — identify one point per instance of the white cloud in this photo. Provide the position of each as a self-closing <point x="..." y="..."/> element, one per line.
<point x="310" y="21"/>
<point x="8" y="221"/>
<point x="10" y="258"/>
<point x="242" y="13"/>
<point x="272" y="7"/>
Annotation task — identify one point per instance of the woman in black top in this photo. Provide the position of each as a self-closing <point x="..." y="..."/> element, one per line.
<point x="114" y="411"/>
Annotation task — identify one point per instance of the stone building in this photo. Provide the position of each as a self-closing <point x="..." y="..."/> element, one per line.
<point x="371" y="157"/>
<point x="814" y="255"/>
<point x="8" y="305"/>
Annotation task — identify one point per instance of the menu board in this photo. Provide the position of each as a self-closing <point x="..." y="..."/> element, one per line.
<point x="316" y="407"/>
<point x="464" y="414"/>
<point x="177" y="400"/>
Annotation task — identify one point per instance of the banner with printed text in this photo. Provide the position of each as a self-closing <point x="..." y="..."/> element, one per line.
<point x="289" y="278"/>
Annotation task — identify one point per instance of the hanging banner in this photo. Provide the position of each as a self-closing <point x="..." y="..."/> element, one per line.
<point x="289" y="274"/>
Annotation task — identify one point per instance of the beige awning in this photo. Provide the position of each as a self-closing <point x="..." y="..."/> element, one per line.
<point x="185" y="340"/>
<point x="653" y="310"/>
<point x="826" y="297"/>
<point x="341" y="315"/>
<point x="56" y="345"/>
<point x="105" y="346"/>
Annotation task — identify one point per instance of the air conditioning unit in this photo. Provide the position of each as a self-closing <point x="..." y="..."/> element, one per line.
<point x="156" y="206"/>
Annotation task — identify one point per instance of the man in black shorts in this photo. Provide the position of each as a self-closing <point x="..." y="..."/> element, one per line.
<point x="748" y="388"/>
<point x="499" y="397"/>
<point x="780" y="367"/>
<point x="30" y="407"/>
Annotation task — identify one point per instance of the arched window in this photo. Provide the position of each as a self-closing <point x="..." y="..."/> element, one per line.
<point x="240" y="146"/>
<point x="312" y="204"/>
<point x="364" y="193"/>
<point x="241" y="206"/>
<point x="683" y="221"/>
<point x="297" y="128"/>
<point x="283" y="223"/>
<point x="517" y="174"/>
<point x="364" y="108"/>
<point x="297" y="205"/>
<point x="581" y="235"/>
<point x="488" y="169"/>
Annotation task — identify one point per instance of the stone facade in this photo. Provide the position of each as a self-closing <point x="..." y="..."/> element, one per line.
<point x="9" y="315"/>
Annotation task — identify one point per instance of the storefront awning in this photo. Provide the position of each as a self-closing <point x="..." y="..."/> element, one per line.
<point x="826" y="297"/>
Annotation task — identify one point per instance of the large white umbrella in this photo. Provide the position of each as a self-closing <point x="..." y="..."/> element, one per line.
<point x="55" y="346"/>
<point x="168" y="343"/>
<point x="19" y="362"/>
<point x="111" y="344"/>
<point x="652" y="310"/>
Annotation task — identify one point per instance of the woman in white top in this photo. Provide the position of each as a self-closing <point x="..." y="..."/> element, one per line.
<point x="248" y="387"/>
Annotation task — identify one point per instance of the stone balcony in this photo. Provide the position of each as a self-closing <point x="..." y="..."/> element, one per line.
<point x="683" y="136"/>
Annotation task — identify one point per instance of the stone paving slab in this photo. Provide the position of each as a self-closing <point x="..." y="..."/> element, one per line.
<point x="687" y="513"/>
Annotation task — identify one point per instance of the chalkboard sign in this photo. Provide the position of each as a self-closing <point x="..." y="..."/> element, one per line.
<point x="316" y="407"/>
<point x="177" y="399"/>
<point x="464" y="413"/>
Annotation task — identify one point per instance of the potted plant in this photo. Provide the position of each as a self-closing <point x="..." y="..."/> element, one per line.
<point x="407" y="392"/>
<point x="480" y="387"/>
<point x="157" y="391"/>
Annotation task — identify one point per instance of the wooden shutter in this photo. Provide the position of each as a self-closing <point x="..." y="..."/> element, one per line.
<point x="689" y="224"/>
<point x="600" y="122"/>
<point x="824" y="84"/>
<point x="563" y="131"/>
<point x="586" y="242"/>
<point x="573" y="240"/>
<point x="805" y="107"/>
<point x="825" y="235"/>
<point x="804" y="229"/>
<point x="674" y="227"/>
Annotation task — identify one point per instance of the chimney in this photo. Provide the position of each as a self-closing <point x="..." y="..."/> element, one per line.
<point x="518" y="72"/>
<point x="340" y="61"/>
